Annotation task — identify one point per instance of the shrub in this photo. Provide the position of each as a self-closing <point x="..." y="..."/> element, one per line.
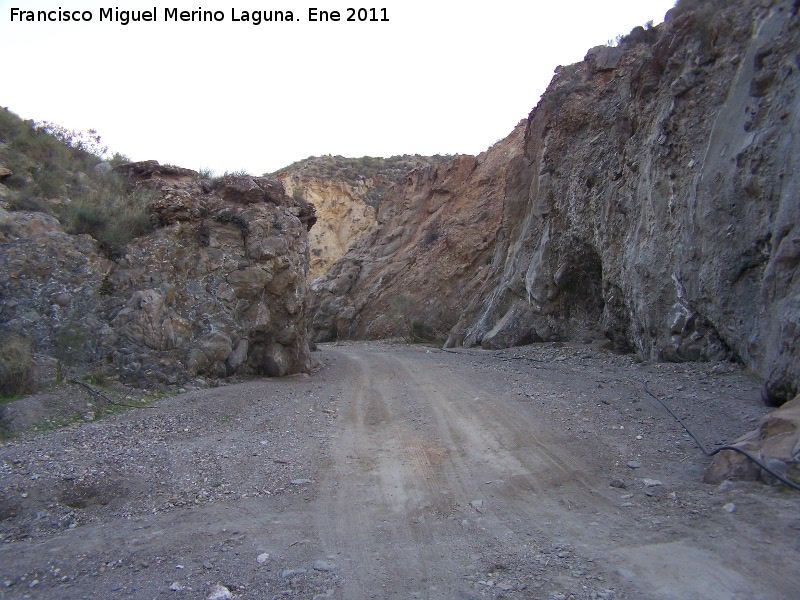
<point x="111" y="216"/>
<point x="118" y="159"/>
<point x="45" y="158"/>
<point x="87" y="218"/>
<point x="68" y="342"/>
<point x="106" y="287"/>
<point x="27" y="202"/>
<point x="17" y="367"/>
<point x="86" y="141"/>
<point x="419" y="331"/>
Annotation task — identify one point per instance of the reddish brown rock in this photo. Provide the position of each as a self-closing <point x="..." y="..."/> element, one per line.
<point x="775" y="442"/>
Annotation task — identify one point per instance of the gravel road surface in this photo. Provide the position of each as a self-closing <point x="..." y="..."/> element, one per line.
<point x="399" y="471"/>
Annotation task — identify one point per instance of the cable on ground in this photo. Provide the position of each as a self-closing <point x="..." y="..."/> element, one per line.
<point x="709" y="453"/>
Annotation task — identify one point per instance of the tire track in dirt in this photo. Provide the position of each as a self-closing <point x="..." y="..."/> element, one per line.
<point x="434" y="465"/>
<point x="385" y="500"/>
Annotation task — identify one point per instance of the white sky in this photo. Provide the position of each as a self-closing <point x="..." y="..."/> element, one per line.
<point x="438" y="78"/>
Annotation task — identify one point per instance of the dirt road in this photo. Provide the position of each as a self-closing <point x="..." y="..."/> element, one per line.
<point x="406" y="472"/>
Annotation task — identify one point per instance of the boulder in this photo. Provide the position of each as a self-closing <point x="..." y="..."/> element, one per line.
<point x="775" y="442"/>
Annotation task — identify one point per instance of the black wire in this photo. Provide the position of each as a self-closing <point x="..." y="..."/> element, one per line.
<point x="705" y="451"/>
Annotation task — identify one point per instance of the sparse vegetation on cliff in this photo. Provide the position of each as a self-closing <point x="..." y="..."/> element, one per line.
<point x="45" y="167"/>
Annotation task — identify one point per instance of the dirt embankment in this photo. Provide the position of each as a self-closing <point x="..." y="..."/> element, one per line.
<point x="397" y="472"/>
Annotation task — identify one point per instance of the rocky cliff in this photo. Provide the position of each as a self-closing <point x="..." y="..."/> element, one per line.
<point x="651" y="198"/>
<point x="343" y="216"/>
<point x="432" y="250"/>
<point x="218" y="288"/>
<point x="345" y="193"/>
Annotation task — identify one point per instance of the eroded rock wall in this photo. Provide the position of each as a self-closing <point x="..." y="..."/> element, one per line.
<point x="343" y="216"/>
<point x="432" y="249"/>
<point x="218" y="288"/>
<point x="662" y="198"/>
<point x="652" y="201"/>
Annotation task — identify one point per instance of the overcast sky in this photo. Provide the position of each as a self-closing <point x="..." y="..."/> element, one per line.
<point x="439" y="77"/>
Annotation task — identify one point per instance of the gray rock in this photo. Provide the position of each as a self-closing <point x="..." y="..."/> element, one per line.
<point x="325" y="565"/>
<point x="604" y="58"/>
<point x="633" y="464"/>
<point x="289" y="573"/>
<point x="632" y="219"/>
<point x="102" y="168"/>
<point x="167" y="300"/>
<point x="776" y="465"/>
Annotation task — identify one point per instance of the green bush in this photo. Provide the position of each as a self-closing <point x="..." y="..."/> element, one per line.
<point x="118" y="159"/>
<point x="113" y="217"/>
<point x="68" y="343"/>
<point x="17" y="368"/>
<point x="87" y="218"/>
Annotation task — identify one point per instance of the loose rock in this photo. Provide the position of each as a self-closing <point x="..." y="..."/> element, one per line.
<point x="219" y="592"/>
<point x="324" y="565"/>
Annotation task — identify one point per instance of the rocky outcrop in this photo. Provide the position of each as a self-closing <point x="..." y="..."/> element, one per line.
<point x="346" y="193"/>
<point x="652" y="201"/>
<point x="343" y="216"/>
<point x="218" y="288"/>
<point x="431" y="251"/>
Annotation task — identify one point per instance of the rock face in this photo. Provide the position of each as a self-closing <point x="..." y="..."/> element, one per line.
<point x="345" y="192"/>
<point x="343" y="216"/>
<point x="431" y="251"/>
<point x="218" y="288"/>
<point x="650" y="198"/>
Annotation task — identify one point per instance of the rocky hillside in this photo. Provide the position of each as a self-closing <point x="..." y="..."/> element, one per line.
<point x="346" y="193"/>
<point x="218" y="287"/>
<point x="649" y="199"/>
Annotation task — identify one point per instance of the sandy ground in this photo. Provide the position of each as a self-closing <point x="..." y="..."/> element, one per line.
<point x="406" y="472"/>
